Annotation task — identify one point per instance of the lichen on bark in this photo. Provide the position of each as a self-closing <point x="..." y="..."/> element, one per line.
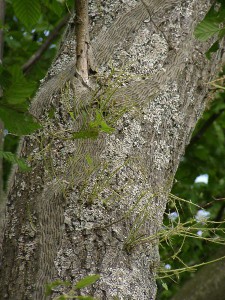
<point x="88" y="203"/>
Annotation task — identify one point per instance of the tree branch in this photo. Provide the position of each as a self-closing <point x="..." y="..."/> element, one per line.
<point x="37" y="55"/>
<point x="82" y="38"/>
<point x="205" y="126"/>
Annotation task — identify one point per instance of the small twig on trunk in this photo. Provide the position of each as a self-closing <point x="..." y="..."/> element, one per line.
<point x="82" y="38"/>
<point x="37" y="55"/>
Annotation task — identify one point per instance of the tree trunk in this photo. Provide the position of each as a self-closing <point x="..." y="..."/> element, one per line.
<point x="95" y="206"/>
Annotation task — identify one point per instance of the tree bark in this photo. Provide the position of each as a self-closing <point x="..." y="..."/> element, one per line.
<point x="95" y="206"/>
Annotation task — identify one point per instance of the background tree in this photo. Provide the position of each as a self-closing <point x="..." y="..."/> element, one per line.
<point x="68" y="217"/>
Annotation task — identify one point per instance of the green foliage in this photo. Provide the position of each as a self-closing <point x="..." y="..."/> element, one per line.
<point x="215" y="46"/>
<point x="204" y="155"/>
<point x="12" y="158"/>
<point x="100" y="123"/>
<point x="16" y="122"/>
<point x="212" y="26"/>
<point x="28" y="11"/>
<point x="27" y="24"/>
<point x="56" y="6"/>
<point x="13" y="105"/>
<point x="83" y="283"/>
<point x="86" y="134"/>
<point x="88" y="280"/>
<point x="93" y="128"/>
<point x="84" y="297"/>
<point x="206" y="29"/>
<point x="55" y="284"/>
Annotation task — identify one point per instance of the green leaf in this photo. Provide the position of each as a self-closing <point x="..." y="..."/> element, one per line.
<point x="17" y="73"/>
<point x="63" y="297"/>
<point x="221" y="14"/>
<point x="205" y="30"/>
<point x="86" y="134"/>
<point x="51" y="113"/>
<point x="219" y="132"/>
<point x="12" y="158"/>
<point x="18" y="92"/>
<point x="84" y="297"/>
<point x="88" y="280"/>
<point x="221" y="33"/>
<point x="213" y="48"/>
<point x="5" y="77"/>
<point x="50" y="286"/>
<point x="106" y="128"/>
<point x="28" y="11"/>
<point x="99" y="122"/>
<point x="17" y="122"/>
<point x="71" y="113"/>
<point x="55" y="6"/>
<point x="164" y="285"/>
<point x="89" y="160"/>
<point x="12" y="43"/>
<point x="211" y="14"/>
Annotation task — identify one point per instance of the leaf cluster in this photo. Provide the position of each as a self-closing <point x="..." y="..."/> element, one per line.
<point x="212" y="26"/>
<point x="27" y="25"/>
<point x="204" y="155"/>
<point x="72" y="294"/>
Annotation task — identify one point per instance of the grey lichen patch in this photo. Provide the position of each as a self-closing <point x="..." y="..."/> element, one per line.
<point x="142" y="60"/>
<point x="146" y="55"/>
<point x="120" y="282"/>
<point x="84" y="217"/>
<point x="131" y="137"/>
<point x="182" y="21"/>
<point x="164" y="115"/>
<point x="14" y="222"/>
<point x="102" y="13"/>
<point x="66" y="57"/>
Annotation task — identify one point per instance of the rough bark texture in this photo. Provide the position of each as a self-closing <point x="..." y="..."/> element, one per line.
<point x="87" y="205"/>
